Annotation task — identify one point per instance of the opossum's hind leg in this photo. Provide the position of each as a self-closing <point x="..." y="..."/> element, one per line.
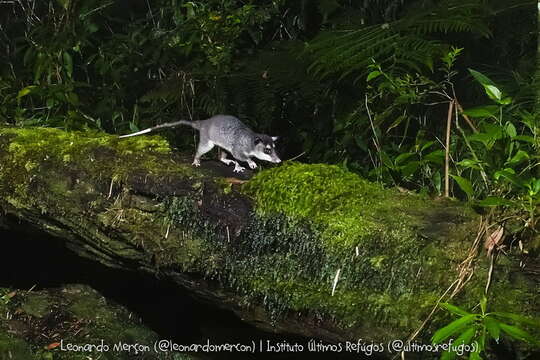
<point x="205" y="146"/>
<point x="237" y="167"/>
<point x="223" y="158"/>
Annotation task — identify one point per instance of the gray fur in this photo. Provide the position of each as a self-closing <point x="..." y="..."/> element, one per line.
<point x="230" y="134"/>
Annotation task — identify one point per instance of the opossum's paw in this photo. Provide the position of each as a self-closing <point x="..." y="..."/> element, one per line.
<point x="238" y="168"/>
<point x="252" y="164"/>
<point x="196" y="162"/>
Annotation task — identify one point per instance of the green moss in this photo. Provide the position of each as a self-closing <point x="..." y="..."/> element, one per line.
<point x="347" y="207"/>
<point x="105" y="158"/>
<point x="36" y="305"/>
<point x="13" y="348"/>
<point x="387" y="246"/>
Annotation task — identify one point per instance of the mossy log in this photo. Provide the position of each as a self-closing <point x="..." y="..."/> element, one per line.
<point x="69" y="322"/>
<point x="304" y="249"/>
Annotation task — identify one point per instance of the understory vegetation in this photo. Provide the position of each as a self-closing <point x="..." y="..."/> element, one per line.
<point x="429" y="96"/>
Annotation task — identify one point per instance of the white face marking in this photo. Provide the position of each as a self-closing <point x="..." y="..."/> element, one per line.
<point x="272" y="157"/>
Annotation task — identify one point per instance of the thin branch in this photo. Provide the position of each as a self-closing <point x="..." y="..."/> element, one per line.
<point x="447" y="150"/>
<point x="460" y="109"/>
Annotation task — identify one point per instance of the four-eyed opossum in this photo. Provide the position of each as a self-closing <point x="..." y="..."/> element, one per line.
<point x="230" y="134"/>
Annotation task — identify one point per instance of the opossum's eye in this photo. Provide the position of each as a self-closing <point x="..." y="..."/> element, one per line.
<point x="267" y="151"/>
<point x="258" y="141"/>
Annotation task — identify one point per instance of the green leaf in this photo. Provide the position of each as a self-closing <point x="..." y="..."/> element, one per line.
<point x="517" y="158"/>
<point x="437" y="181"/>
<point x="470" y="163"/>
<point x="454" y="309"/>
<point x="386" y="160"/>
<point x="487" y="139"/>
<point x="27" y="90"/>
<point x="510" y="129"/>
<point x="396" y="122"/>
<point x="495" y="201"/>
<point x="448" y="355"/>
<point x="508" y="174"/>
<point x="483" y="304"/>
<point x="525" y="138"/>
<point x="464" y="185"/>
<point x="493" y="328"/>
<point x="68" y="63"/>
<point x="426" y="145"/>
<point x="518" y="318"/>
<point x="493" y="92"/>
<point x="518" y="333"/>
<point x="436" y="157"/>
<point x="402" y="157"/>
<point x="505" y="101"/>
<point x="482" y="111"/>
<point x="475" y="355"/>
<point x="133" y="127"/>
<point x="466" y="336"/>
<point x="410" y="168"/>
<point x="481" y="78"/>
<point x="452" y="328"/>
<point x="372" y="75"/>
<point x="535" y="188"/>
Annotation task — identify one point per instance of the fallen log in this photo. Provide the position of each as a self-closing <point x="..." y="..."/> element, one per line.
<point x="310" y="250"/>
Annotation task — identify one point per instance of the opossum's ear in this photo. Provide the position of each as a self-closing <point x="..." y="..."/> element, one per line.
<point x="258" y="141"/>
<point x="274" y="138"/>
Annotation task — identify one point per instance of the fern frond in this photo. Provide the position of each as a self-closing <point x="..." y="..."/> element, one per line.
<point x="404" y="41"/>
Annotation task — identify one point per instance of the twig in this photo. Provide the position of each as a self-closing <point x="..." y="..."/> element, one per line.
<point x="336" y="278"/>
<point x="376" y="139"/>
<point x="460" y="109"/>
<point x="490" y="273"/>
<point x="447" y="150"/>
<point x="297" y="156"/>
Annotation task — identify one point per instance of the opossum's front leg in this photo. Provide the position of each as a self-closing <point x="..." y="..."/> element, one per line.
<point x="252" y="164"/>
<point x="238" y="168"/>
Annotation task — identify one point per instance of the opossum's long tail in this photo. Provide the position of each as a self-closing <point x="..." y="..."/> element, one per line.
<point x="193" y="124"/>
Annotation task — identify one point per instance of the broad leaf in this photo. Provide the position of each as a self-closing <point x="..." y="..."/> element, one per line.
<point x="508" y="174"/>
<point x="495" y="201"/>
<point x="482" y="111"/>
<point x="493" y="327"/>
<point x="525" y="138"/>
<point x="491" y="90"/>
<point x="518" y="333"/>
<point x="436" y="157"/>
<point x="68" y="63"/>
<point x="511" y="129"/>
<point x="410" y="168"/>
<point x="464" y="184"/>
<point x="372" y="75"/>
<point x="466" y="336"/>
<point x="402" y="157"/>
<point x="454" y="309"/>
<point x="452" y="328"/>
<point x="27" y="90"/>
<point x="518" y="157"/>
<point x="518" y="318"/>
<point x="470" y="163"/>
